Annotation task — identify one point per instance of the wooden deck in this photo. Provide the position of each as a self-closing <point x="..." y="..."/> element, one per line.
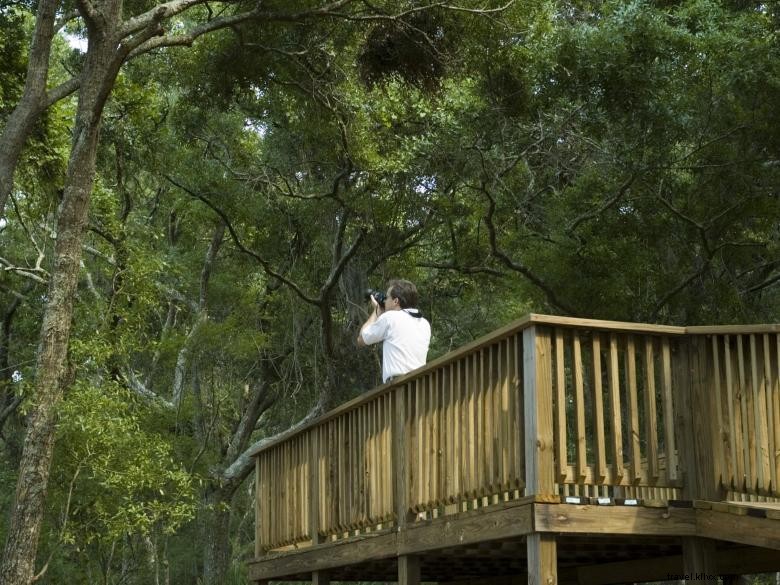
<point x="554" y="449"/>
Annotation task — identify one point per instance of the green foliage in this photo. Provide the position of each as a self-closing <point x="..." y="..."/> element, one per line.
<point x="123" y="477"/>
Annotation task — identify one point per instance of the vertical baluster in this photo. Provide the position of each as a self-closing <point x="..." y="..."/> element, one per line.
<point x="561" y="456"/>
<point x="772" y="422"/>
<point x="671" y="448"/>
<point x="506" y="437"/>
<point x="598" y="411"/>
<point x="420" y="462"/>
<point x="761" y="427"/>
<point x="579" y="403"/>
<point x="355" y="469"/>
<point x="433" y="390"/>
<point x="720" y="459"/>
<point x="517" y="419"/>
<point x="615" y="406"/>
<point x="651" y="419"/>
<point x="496" y="445"/>
<point x="452" y="413"/>
<point x="747" y="436"/>
<point x="486" y="365"/>
<point x="633" y="406"/>
<point x="481" y="393"/>
<point x="390" y="470"/>
<point x="342" y="492"/>
<point x="776" y="410"/>
<point x="471" y="456"/>
<point x="462" y="438"/>
<point x="376" y="461"/>
<point x="737" y="464"/>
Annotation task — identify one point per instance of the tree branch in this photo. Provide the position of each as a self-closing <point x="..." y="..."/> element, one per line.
<point x="237" y="241"/>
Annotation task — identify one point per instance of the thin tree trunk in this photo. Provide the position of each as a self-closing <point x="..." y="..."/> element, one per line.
<point x="21" y="121"/>
<point x="52" y="371"/>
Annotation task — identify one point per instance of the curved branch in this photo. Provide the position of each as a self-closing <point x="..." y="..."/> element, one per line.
<point x="517" y="267"/>
<point x="237" y="241"/>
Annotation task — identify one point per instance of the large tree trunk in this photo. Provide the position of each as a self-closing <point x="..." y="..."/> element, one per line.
<point x="52" y="371"/>
<point x="215" y="528"/>
<point x="26" y="112"/>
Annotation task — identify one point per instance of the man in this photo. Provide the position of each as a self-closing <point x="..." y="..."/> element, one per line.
<point x="405" y="334"/>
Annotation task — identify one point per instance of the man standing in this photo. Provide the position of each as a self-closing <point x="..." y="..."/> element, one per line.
<point x="405" y="334"/>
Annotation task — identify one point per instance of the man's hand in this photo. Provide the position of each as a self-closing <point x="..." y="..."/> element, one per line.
<point x="377" y="308"/>
<point x="372" y="317"/>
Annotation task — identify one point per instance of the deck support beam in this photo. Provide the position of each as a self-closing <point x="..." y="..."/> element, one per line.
<point x="699" y="557"/>
<point x="320" y="578"/>
<point x="408" y="570"/>
<point x="542" y="559"/>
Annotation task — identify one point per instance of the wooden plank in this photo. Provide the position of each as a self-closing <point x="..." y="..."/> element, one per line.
<point x="651" y="420"/>
<point x="536" y="319"/>
<point x="514" y="388"/>
<point x="260" y="499"/>
<point x="776" y="410"/>
<point x="460" y="426"/>
<point x="472" y="430"/>
<point x="742" y="529"/>
<point x="771" y="421"/>
<point x="737" y="464"/>
<point x="747" y="435"/>
<point x="507" y="520"/>
<point x="760" y="427"/>
<point x="633" y="410"/>
<point x="408" y="570"/>
<point x="351" y="551"/>
<point x="401" y="448"/>
<point x="496" y="445"/>
<point x="733" y="329"/>
<point x="640" y="520"/>
<point x="669" y="422"/>
<point x="537" y="387"/>
<point x="615" y="407"/>
<point x="579" y="404"/>
<point x="421" y="461"/>
<point x="542" y="559"/>
<point x="599" y="447"/>
<point x="373" y="462"/>
<point x="720" y="445"/>
<point x="561" y="456"/>
<point x="480" y="391"/>
<point x="507" y="441"/>
<point x="448" y="435"/>
<point x="519" y="416"/>
<point x="435" y="498"/>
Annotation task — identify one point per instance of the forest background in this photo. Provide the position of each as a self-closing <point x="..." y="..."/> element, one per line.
<point x="195" y="195"/>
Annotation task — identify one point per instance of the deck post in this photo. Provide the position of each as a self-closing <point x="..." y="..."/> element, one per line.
<point x="408" y="570"/>
<point x="696" y="438"/>
<point x="542" y="559"/>
<point x="539" y="447"/>
<point x="400" y="471"/>
<point x="538" y="401"/>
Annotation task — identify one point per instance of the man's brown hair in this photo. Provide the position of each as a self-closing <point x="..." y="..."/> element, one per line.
<point x="405" y="292"/>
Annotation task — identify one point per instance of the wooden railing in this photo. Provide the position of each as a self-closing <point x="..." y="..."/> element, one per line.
<point x="743" y="371"/>
<point x="547" y="405"/>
